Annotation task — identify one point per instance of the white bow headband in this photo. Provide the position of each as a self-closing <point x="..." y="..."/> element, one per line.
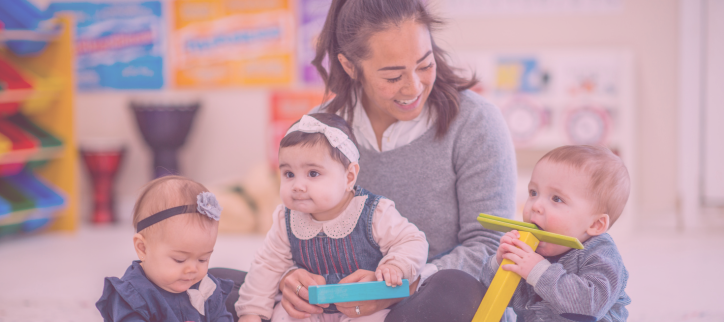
<point x="335" y="136"/>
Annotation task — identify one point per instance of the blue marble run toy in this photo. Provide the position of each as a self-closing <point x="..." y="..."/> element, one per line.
<point x="26" y="203"/>
<point x="26" y="29"/>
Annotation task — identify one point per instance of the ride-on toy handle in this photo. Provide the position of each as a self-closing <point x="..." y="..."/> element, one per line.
<point x="504" y="283"/>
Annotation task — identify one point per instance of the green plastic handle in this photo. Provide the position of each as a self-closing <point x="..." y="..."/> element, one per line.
<point x="506" y="225"/>
<point x="510" y="221"/>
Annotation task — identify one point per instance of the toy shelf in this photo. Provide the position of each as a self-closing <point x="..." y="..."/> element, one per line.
<point x="28" y="35"/>
<point x="38" y="156"/>
<point x="22" y="141"/>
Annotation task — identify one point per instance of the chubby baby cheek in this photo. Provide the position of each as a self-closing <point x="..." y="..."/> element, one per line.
<point x="545" y="249"/>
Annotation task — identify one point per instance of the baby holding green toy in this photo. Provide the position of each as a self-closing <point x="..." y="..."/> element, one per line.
<point x="577" y="191"/>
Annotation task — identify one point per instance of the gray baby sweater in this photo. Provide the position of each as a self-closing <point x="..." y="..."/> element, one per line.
<point x="580" y="285"/>
<point x="442" y="184"/>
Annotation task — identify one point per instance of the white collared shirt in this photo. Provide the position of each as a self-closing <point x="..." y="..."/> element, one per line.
<point x="398" y="134"/>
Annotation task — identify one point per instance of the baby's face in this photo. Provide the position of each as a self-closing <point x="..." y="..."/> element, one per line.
<point x="311" y="181"/>
<point x="177" y="256"/>
<point x="559" y="202"/>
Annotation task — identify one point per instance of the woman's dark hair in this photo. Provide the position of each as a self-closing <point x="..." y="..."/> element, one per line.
<point x="350" y="24"/>
<point x="312" y="139"/>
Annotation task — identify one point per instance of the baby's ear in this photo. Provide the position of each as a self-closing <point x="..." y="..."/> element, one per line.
<point x="599" y="226"/>
<point x="352" y="172"/>
<point x="139" y="244"/>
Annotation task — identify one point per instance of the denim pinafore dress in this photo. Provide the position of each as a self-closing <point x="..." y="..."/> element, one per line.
<point x="334" y="253"/>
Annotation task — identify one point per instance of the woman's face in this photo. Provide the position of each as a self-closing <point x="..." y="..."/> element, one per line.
<point x="399" y="72"/>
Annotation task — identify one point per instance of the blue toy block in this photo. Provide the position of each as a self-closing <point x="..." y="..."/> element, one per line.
<point x="350" y="292"/>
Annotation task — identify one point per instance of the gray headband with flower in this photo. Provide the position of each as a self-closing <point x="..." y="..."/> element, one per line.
<point x="206" y="204"/>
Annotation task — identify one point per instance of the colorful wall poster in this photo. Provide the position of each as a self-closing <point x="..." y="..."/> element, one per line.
<point x="286" y="108"/>
<point x="232" y="42"/>
<point x="118" y="44"/>
<point x="312" y="14"/>
<point x="553" y="98"/>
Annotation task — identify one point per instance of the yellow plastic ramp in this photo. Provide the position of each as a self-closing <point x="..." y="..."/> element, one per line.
<point x="5" y="145"/>
<point x="502" y="288"/>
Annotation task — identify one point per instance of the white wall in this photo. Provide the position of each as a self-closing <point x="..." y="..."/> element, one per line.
<point x="227" y="138"/>
<point x="713" y="132"/>
<point x="229" y="134"/>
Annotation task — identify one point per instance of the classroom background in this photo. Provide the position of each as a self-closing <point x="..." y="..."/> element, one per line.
<point x="99" y="97"/>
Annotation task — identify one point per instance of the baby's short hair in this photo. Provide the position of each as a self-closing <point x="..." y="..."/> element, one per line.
<point x="610" y="183"/>
<point x="165" y="193"/>
<point x="312" y="139"/>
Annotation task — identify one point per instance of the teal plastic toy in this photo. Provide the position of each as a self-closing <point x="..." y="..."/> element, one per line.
<point x="350" y="292"/>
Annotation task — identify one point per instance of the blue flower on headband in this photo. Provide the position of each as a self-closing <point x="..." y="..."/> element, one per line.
<point x="208" y="205"/>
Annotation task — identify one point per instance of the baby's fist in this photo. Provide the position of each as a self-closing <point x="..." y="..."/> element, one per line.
<point x="390" y="274"/>
<point x="506" y="239"/>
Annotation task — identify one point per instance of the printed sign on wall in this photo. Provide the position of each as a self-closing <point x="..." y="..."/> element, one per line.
<point x="232" y="42"/>
<point x="553" y="98"/>
<point x="286" y="108"/>
<point x="118" y="44"/>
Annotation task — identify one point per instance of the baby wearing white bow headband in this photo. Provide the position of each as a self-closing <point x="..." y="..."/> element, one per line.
<point x="328" y="230"/>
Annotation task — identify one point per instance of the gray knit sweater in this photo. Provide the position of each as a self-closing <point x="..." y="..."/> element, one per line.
<point x="442" y="184"/>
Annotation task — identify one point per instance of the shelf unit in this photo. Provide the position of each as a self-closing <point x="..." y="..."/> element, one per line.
<point x="60" y="168"/>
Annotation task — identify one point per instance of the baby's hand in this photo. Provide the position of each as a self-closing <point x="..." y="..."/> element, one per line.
<point x="523" y="257"/>
<point x="506" y="239"/>
<point x="389" y="273"/>
<point x="249" y="318"/>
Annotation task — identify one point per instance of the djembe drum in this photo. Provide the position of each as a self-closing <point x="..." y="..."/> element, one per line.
<point x="102" y="163"/>
<point x="164" y="128"/>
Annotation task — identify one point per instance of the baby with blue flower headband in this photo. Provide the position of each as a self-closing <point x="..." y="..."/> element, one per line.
<point x="176" y="221"/>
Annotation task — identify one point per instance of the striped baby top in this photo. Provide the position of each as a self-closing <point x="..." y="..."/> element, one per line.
<point x="579" y="285"/>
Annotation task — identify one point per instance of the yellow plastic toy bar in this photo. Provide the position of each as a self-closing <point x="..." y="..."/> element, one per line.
<point x="506" y="225"/>
<point x="502" y="287"/>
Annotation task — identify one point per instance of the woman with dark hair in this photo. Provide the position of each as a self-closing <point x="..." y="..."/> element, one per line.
<point x="439" y="151"/>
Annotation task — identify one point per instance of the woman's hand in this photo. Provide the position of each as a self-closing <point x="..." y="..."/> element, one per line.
<point x="508" y="238"/>
<point x="296" y="303"/>
<point x="249" y="318"/>
<point x="366" y="307"/>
